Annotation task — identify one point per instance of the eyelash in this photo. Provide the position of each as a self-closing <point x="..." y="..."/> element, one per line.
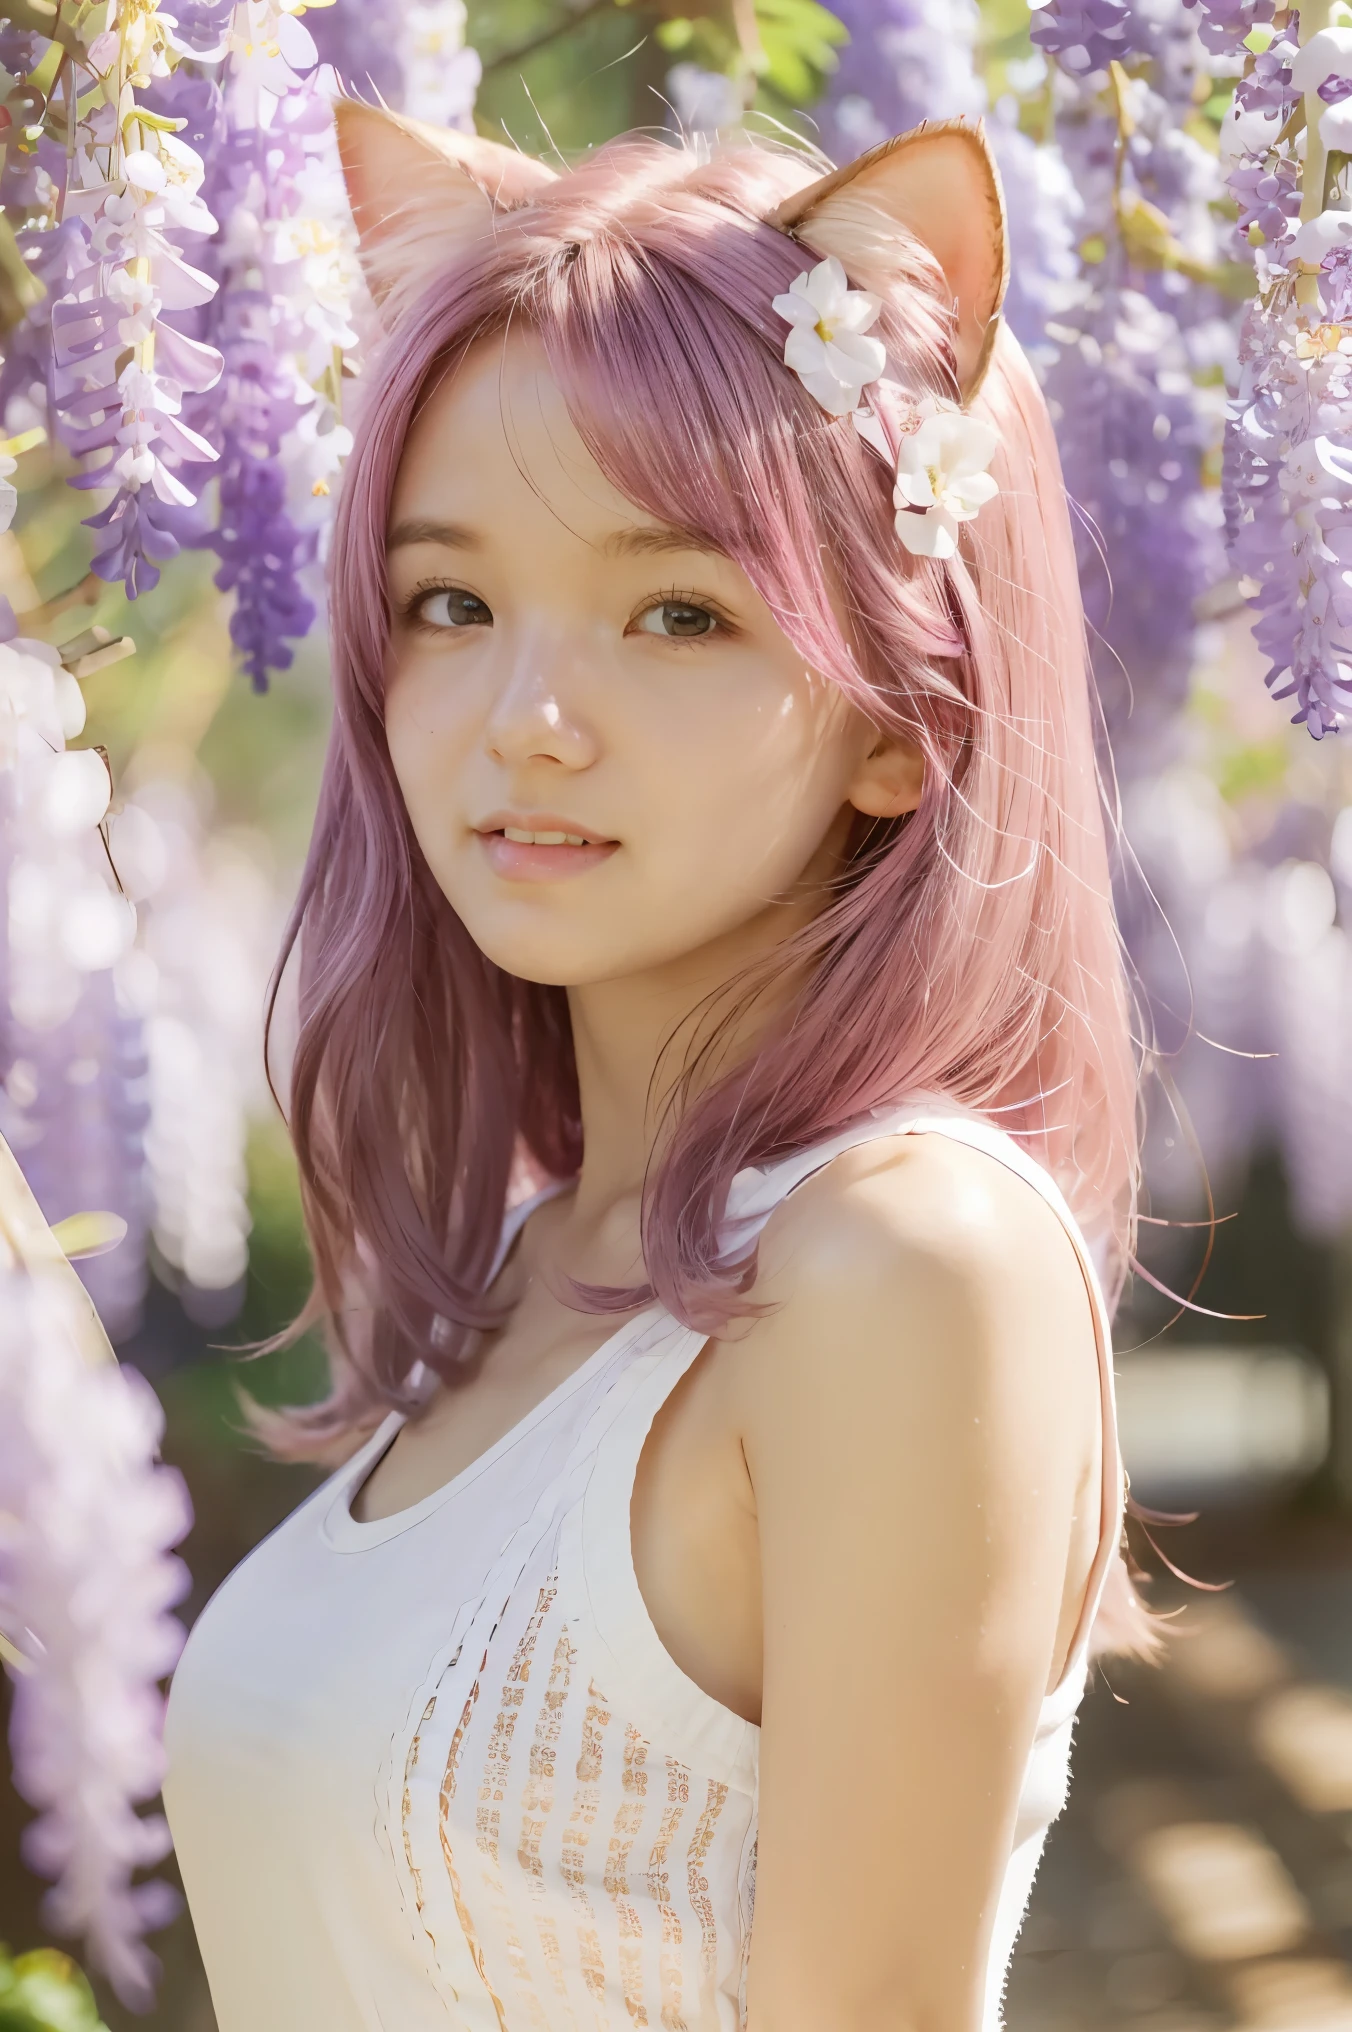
<point x="676" y="596"/>
<point x="673" y="596"/>
<point x="409" y="612"/>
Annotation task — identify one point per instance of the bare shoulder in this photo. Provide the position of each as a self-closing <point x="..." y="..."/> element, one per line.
<point x="926" y="1206"/>
<point x="923" y="1245"/>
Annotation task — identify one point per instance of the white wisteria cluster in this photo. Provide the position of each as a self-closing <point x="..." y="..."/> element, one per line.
<point x="210" y="926"/>
<point x="87" y="1580"/>
<point x="71" y="1058"/>
<point x="441" y="75"/>
<point x="132" y="971"/>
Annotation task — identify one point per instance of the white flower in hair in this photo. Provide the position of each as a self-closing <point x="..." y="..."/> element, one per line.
<point x="827" y="349"/>
<point x="941" y="477"/>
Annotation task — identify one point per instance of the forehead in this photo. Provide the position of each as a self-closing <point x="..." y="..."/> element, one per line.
<point x="494" y="442"/>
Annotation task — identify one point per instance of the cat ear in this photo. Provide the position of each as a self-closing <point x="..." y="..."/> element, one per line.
<point x="940" y="182"/>
<point x="420" y="193"/>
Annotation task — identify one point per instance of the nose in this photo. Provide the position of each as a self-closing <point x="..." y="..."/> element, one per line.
<point x="535" y="716"/>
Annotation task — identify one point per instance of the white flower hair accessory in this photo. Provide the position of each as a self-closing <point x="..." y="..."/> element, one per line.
<point x="941" y="464"/>
<point x="827" y="348"/>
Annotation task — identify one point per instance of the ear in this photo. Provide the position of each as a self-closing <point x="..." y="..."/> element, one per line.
<point x="419" y="193"/>
<point x="890" y="779"/>
<point x="940" y="182"/>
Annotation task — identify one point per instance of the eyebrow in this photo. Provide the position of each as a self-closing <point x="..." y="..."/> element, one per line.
<point x="651" y="539"/>
<point x="449" y="535"/>
<point x="647" y="540"/>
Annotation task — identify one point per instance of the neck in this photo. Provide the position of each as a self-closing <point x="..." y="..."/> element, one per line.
<point x="633" y="1038"/>
<point x="634" y="1035"/>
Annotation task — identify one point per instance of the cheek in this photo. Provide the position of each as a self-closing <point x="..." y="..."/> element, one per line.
<point x="428" y="730"/>
<point x="760" y="773"/>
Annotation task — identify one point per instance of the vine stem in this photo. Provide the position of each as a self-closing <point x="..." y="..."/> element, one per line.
<point x="1314" y="15"/>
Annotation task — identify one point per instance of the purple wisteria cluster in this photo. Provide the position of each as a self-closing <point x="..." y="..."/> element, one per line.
<point x="188" y="308"/>
<point x="1114" y="254"/>
<point x="1124" y="277"/>
<point x="271" y="329"/>
<point x="1134" y="351"/>
<point x="905" y="61"/>
<point x="1085" y="35"/>
<point x="1224" y="25"/>
<point x="1288" y="480"/>
<point x="1136" y="379"/>
<point x="913" y="60"/>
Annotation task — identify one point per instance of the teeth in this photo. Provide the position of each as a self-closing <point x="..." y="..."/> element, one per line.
<point x="525" y="839"/>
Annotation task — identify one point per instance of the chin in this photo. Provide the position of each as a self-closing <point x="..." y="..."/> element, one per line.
<point x="572" y="960"/>
<point x="549" y="963"/>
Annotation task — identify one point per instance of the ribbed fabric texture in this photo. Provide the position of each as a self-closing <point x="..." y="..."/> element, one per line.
<point x="439" y="1771"/>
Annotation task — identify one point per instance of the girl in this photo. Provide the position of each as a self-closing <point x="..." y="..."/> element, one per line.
<point x="712" y="1095"/>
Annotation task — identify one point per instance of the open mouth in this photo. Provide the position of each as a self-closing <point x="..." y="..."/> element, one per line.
<point x="519" y="837"/>
<point x="544" y="850"/>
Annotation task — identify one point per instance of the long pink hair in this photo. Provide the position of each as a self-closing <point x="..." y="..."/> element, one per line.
<point x="969" y="951"/>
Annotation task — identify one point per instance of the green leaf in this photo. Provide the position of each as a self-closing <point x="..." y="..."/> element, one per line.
<point x="800" y="40"/>
<point x="44" y="1991"/>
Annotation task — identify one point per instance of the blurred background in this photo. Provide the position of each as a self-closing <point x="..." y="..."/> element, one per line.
<point x="1202" y="1877"/>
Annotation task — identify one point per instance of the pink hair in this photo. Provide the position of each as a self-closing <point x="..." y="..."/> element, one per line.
<point x="970" y="952"/>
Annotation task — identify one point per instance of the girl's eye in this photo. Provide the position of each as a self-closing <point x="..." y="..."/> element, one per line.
<point x="677" y="621"/>
<point x="451" y="607"/>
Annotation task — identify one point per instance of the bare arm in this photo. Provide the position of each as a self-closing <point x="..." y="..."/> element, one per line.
<point x="921" y="1423"/>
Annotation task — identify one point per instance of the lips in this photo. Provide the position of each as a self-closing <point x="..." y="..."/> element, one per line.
<point x="543" y="829"/>
<point x="541" y="846"/>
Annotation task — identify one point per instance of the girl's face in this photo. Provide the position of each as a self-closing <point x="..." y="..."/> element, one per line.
<point x="612" y="756"/>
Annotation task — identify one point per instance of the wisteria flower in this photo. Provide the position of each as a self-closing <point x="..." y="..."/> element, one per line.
<point x="9" y="493"/>
<point x="1266" y="197"/>
<point x="1335" y="128"/>
<point x="942" y="479"/>
<point x="138" y="301"/>
<point x="1318" y="237"/>
<point x="827" y="348"/>
<point x="1326" y="55"/>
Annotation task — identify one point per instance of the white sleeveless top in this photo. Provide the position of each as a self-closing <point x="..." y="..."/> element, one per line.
<point x="438" y="1771"/>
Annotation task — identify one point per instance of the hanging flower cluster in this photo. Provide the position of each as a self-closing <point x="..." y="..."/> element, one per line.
<point x="72" y="1060"/>
<point x="87" y="1523"/>
<point x="281" y="322"/>
<point x="183" y="278"/>
<point x="120" y="369"/>
<point x="1126" y="277"/>
<point x="1115" y="259"/>
<point x="211" y="924"/>
<point x="440" y="75"/>
<point x="1135" y="354"/>
<point x="134" y="958"/>
<point x="1289" y="449"/>
<point x="1085" y="35"/>
<point x="905" y="61"/>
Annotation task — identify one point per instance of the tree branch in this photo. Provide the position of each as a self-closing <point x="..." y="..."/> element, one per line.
<point x="511" y="57"/>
